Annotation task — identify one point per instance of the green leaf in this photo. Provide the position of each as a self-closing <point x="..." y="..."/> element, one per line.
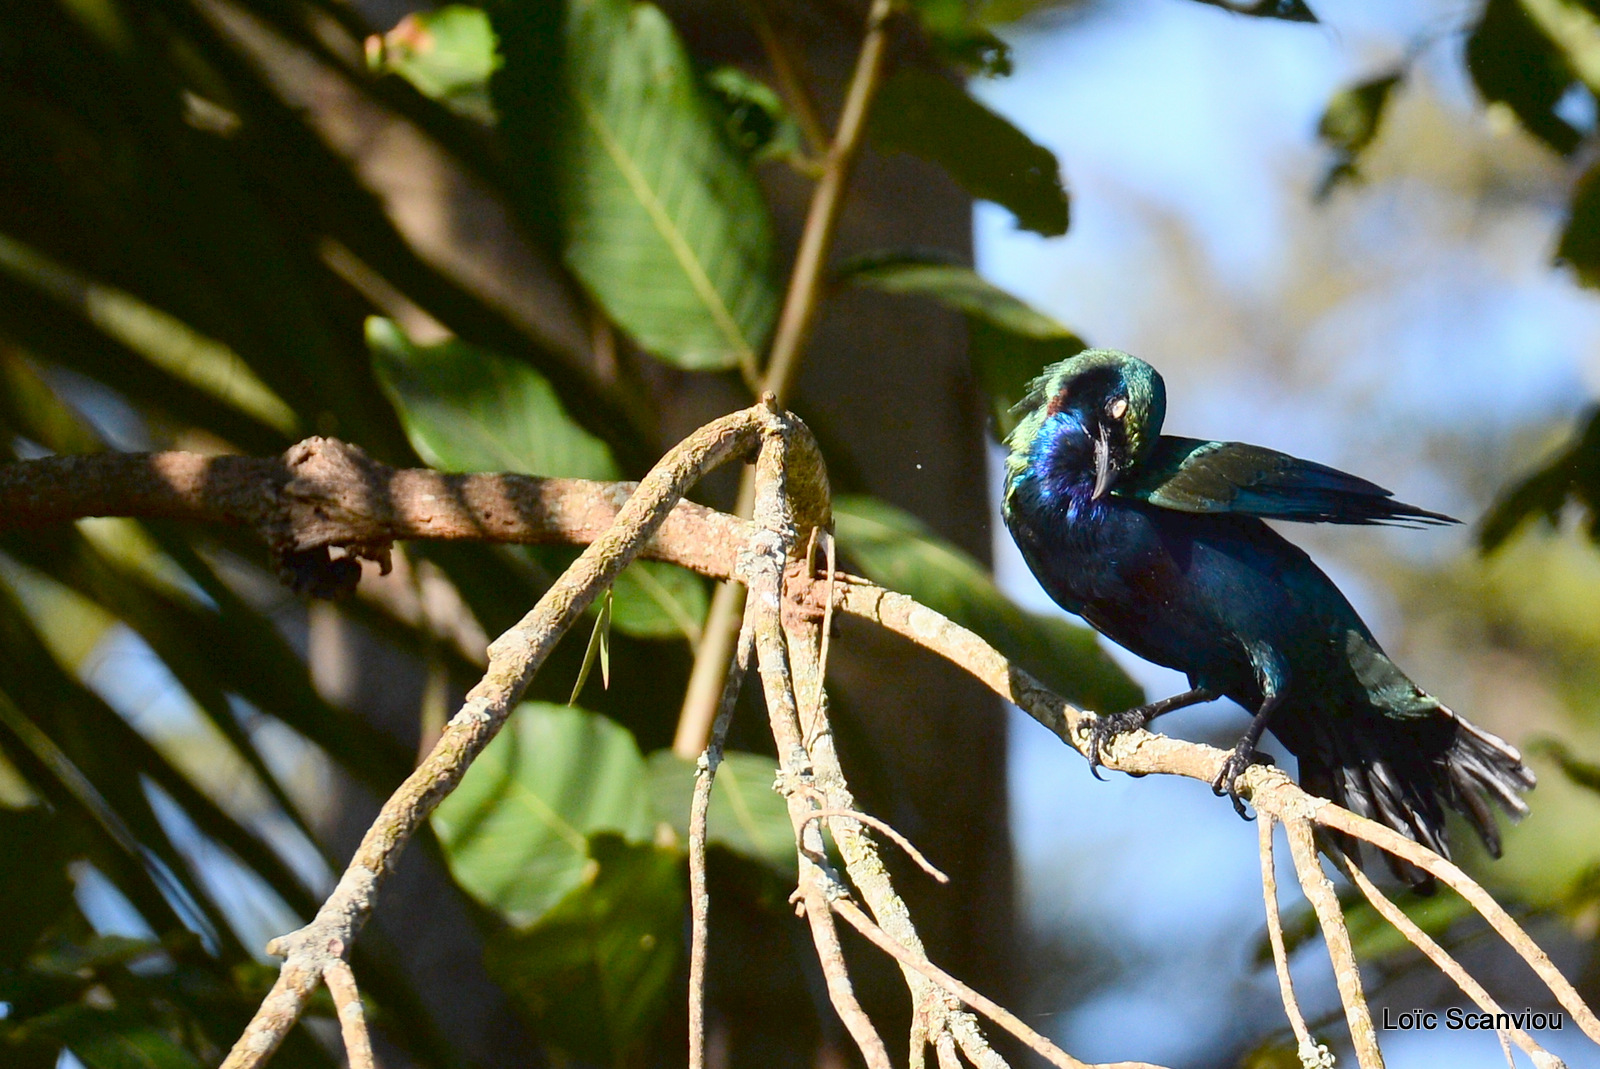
<point x="1350" y="124"/>
<point x="448" y="54"/>
<point x="747" y="816"/>
<point x="1580" y="239"/>
<point x="664" y="222"/>
<point x="33" y="882"/>
<point x="961" y="40"/>
<point x="754" y="115"/>
<point x="658" y="600"/>
<point x="516" y="831"/>
<point x="130" y="1047"/>
<point x="929" y="116"/>
<point x="896" y="550"/>
<point x="1585" y="774"/>
<point x="467" y="409"/>
<point x="1009" y="341"/>
<point x="1573" y="475"/>
<point x="596" y="972"/>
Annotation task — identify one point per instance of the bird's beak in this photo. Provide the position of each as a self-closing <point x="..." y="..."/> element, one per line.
<point x="1103" y="472"/>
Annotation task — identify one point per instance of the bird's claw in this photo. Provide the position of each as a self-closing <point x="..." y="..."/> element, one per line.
<point x="1107" y="728"/>
<point x="1227" y="782"/>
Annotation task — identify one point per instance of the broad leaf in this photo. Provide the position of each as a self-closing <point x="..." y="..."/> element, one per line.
<point x="467" y="409"/>
<point x="747" y="816"/>
<point x="663" y="221"/>
<point x="516" y="831"/>
<point x="895" y="550"/>
<point x="596" y="972"/>
<point x="1009" y="341"/>
<point x="448" y="54"/>
<point x="932" y="117"/>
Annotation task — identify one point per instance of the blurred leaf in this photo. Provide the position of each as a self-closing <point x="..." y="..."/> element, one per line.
<point x="896" y="550"/>
<point x="1350" y="124"/>
<point x="596" y="971"/>
<point x="756" y="120"/>
<point x="467" y="409"/>
<point x="33" y="881"/>
<point x="1372" y="936"/>
<point x="664" y="223"/>
<point x="1287" y="10"/>
<point x="1009" y="341"/>
<point x="448" y="54"/>
<point x="1514" y="64"/>
<point x="960" y="39"/>
<point x="516" y="831"/>
<point x="165" y="341"/>
<point x="114" y="1043"/>
<point x="929" y="116"/>
<point x="1573" y="475"/>
<point x="1580" y="239"/>
<point x="747" y="816"/>
<point x="1585" y="774"/>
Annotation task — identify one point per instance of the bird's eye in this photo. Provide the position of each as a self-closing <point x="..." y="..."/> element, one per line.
<point x="1118" y="408"/>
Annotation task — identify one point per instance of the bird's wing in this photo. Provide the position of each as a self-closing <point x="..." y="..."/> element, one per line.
<point x="1190" y="475"/>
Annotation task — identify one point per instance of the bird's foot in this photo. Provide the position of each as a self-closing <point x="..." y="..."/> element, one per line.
<point x="1227" y="782"/>
<point x="1107" y="728"/>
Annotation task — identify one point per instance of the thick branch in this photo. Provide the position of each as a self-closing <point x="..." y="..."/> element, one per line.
<point x="323" y="493"/>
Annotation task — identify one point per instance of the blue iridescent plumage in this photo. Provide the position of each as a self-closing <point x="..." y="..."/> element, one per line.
<point x="1160" y="544"/>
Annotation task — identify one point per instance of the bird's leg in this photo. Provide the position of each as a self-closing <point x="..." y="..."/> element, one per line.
<point x="1244" y="755"/>
<point x="1107" y="728"/>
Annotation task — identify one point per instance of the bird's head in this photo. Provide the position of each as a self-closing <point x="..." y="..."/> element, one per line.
<point x="1103" y="407"/>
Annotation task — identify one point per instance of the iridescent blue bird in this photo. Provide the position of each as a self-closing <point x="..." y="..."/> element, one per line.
<point x="1159" y="543"/>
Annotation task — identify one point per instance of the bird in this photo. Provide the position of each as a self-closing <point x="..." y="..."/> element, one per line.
<point x="1161" y="544"/>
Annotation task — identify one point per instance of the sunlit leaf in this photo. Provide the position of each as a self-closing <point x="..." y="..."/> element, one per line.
<point x="932" y="117"/>
<point x="896" y="550"/>
<point x="747" y="816"/>
<point x="664" y="222"/>
<point x="467" y="409"/>
<point x="1009" y="341"/>
<point x="448" y="54"/>
<point x="516" y="830"/>
<point x="596" y="971"/>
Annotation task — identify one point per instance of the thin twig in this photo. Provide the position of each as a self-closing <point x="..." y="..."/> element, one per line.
<point x="1280" y="955"/>
<point x="1346" y="973"/>
<point x="352" y="1017"/>
<point x="827" y="201"/>
<point x="1332" y="816"/>
<point x="1001" y="1016"/>
<point x="699" y="812"/>
<point x="795" y="321"/>
<point x="899" y="840"/>
<point x="1441" y="957"/>
<point x="791" y="86"/>
<point x="513" y="659"/>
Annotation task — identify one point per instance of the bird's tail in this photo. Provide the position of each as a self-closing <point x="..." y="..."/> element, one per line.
<point x="1405" y="773"/>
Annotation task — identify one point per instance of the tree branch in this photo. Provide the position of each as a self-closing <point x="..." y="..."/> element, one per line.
<point x="513" y="659"/>
<point x="1346" y="973"/>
